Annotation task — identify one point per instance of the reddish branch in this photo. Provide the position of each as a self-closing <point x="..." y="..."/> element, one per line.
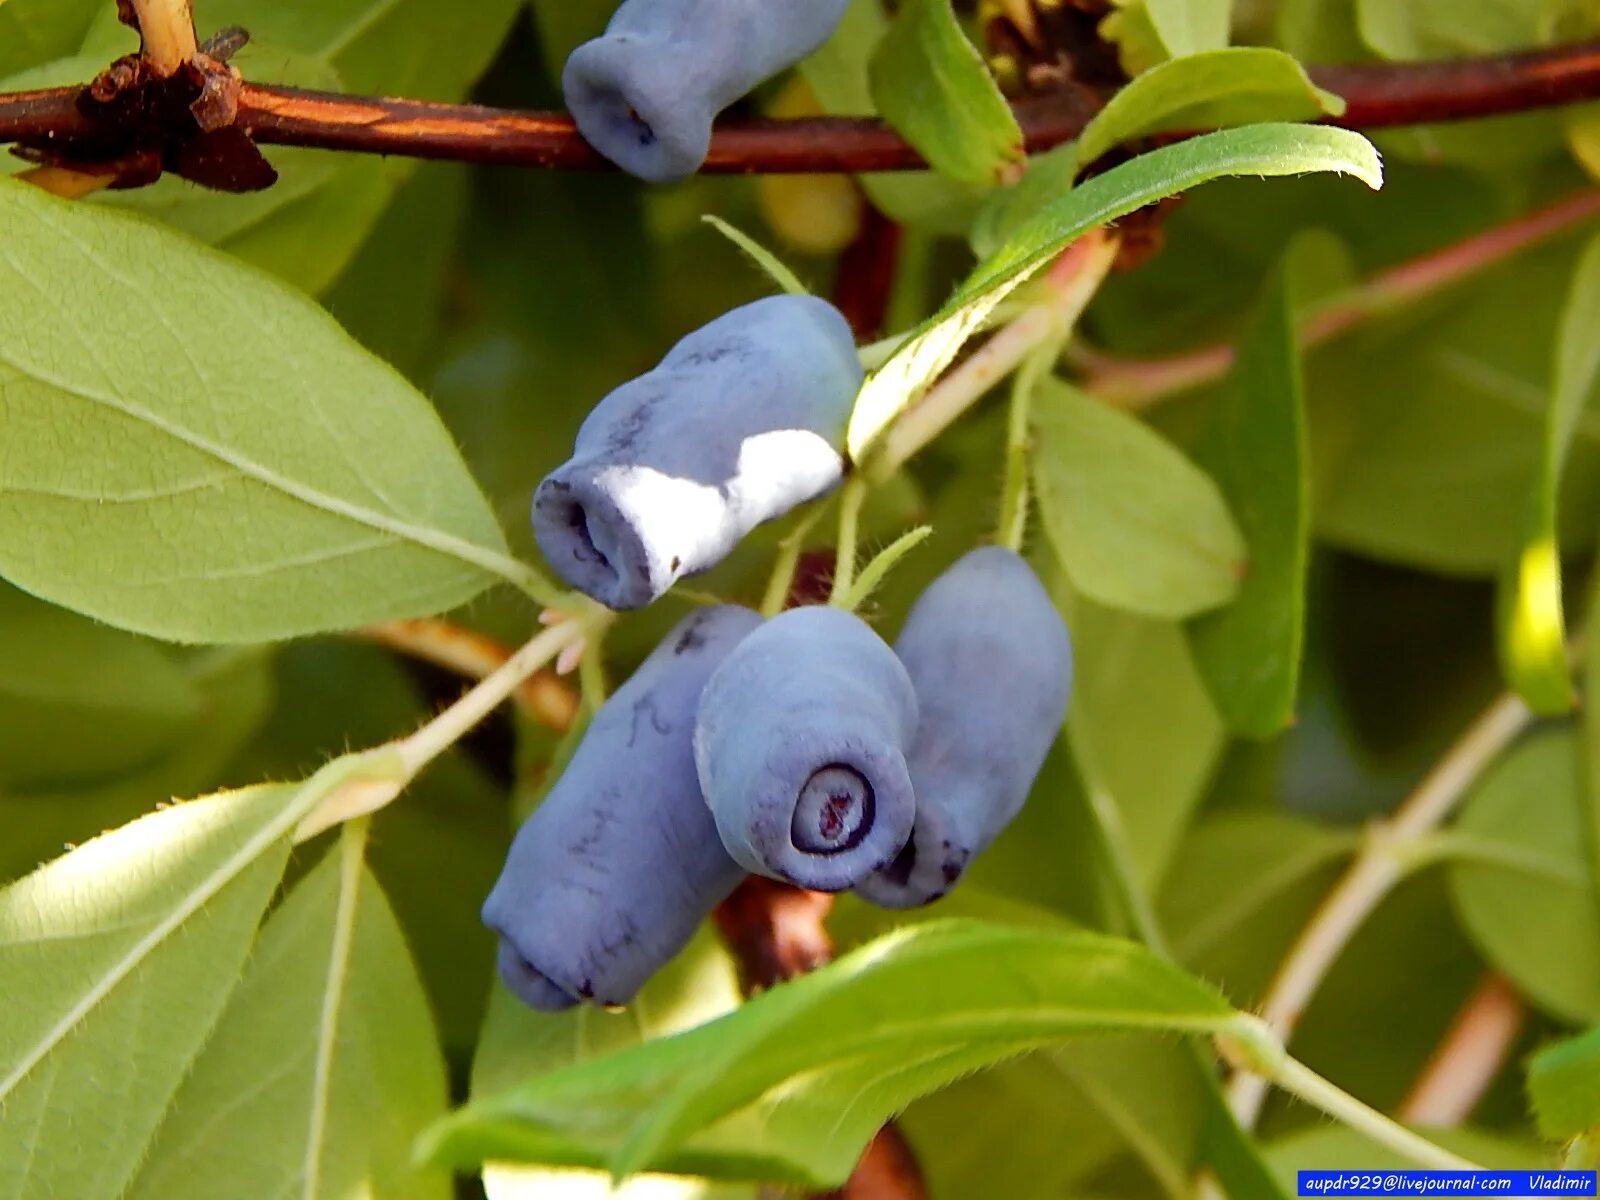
<point x="1378" y="96"/>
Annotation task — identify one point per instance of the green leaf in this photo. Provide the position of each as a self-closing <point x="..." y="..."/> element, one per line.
<point x="1135" y="524"/>
<point x="1447" y="28"/>
<point x="391" y="297"/>
<point x="1253" y="150"/>
<point x="771" y="265"/>
<point x="1135" y="686"/>
<point x="792" y="1086"/>
<point x="234" y="689"/>
<point x="1046" y="177"/>
<point x="325" y="1060"/>
<point x="1564" y="1086"/>
<point x="1239" y="890"/>
<point x="33" y="32"/>
<point x="1532" y="627"/>
<point x="133" y="941"/>
<point x="931" y="84"/>
<point x="1520" y="879"/>
<point x="1255" y="448"/>
<point x="79" y="701"/>
<point x="839" y="75"/>
<point x="1589" y="748"/>
<point x="437" y="852"/>
<point x="1217" y="89"/>
<point x="1426" y="428"/>
<point x="275" y="482"/>
<point x="1148" y="31"/>
<point x="698" y="985"/>
<point x="308" y="226"/>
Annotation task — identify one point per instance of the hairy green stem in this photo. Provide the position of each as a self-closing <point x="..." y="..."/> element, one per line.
<point x="844" y="565"/>
<point x="781" y="581"/>
<point x="1016" y="491"/>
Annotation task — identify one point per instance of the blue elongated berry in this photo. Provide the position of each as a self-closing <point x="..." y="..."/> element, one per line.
<point x="991" y="663"/>
<point x="645" y="94"/>
<point x="801" y="744"/>
<point x="742" y="420"/>
<point x="610" y="876"/>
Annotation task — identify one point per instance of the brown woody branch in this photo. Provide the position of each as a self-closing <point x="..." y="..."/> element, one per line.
<point x="1378" y="97"/>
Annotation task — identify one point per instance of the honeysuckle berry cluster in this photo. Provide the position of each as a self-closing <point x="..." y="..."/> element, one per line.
<point x="802" y="747"/>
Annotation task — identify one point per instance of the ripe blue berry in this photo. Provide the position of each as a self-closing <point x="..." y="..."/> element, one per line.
<point x="742" y="420"/>
<point x="801" y="745"/>
<point x="645" y="94"/>
<point x="991" y="662"/>
<point x="611" y="875"/>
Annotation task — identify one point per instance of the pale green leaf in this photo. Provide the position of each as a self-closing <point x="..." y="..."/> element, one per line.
<point x="1253" y="150"/>
<point x="1148" y="31"/>
<point x="699" y="985"/>
<point x="838" y="74"/>
<point x="1135" y="686"/>
<point x="1532" y="627"/>
<point x="1520" y="879"/>
<point x="1564" y="1085"/>
<point x="79" y="701"/>
<point x="323" y="1067"/>
<point x="1216" y="89"/>
<point x="1135" y="524"/>
<point x="771" y="265"/>
<point x="273" y="481"/>
<point x="1426" y="429"/>
<point x="791" y="1086"/>
<point x="117" y="960"/>
<point x="1236" y="875"/>
<point x="1255" y="447"/>
<point x="33" y="32"/>
<point x="1447" y="28"/>
<point x="931" y="84"/>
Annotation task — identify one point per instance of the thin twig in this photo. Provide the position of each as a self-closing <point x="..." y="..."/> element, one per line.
<point x="1139" y="384"/>
<point x="1381" y="865"/>
<point x="1377" y="97"/>
<point x="1472" y="1053"/>
<point x="543" y="697"/>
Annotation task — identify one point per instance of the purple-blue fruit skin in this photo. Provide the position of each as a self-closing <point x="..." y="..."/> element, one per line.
<point x="741" y="421"/>
<point x="812" y="689"/>
<point x="612" y="874"/>
<point x="991" y="662"/>
<point x="645" y="93"/>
